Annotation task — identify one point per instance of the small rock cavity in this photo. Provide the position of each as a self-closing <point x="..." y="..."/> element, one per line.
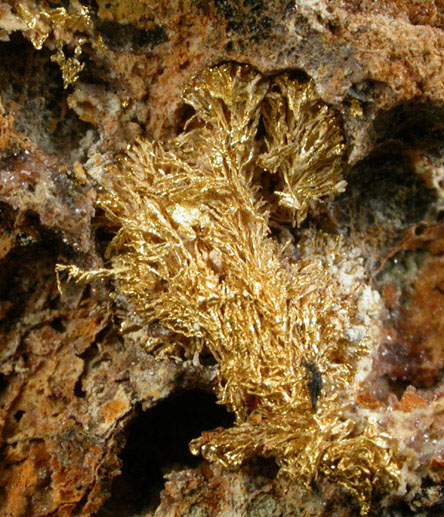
<point x="157" y="444"/>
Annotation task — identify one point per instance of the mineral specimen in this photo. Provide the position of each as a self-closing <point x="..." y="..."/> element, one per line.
<point x="300" y="287"/>
<point x="193" y="253"/>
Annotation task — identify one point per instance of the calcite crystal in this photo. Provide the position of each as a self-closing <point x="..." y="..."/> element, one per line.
<point x="273" y="168"/>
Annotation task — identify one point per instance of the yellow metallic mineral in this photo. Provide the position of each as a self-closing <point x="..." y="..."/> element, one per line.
<point x="65" y="27"/>
<point x="193" y="253"/>
<point x="304" y="147"/>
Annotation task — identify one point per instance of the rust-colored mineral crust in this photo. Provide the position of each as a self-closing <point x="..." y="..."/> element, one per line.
<point x="95" y="422"/>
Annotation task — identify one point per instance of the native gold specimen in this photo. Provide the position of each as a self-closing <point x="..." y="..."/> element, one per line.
<point x="304" y="146"/>
<point x="193" y="253"/>
<point x="70" y="26"/>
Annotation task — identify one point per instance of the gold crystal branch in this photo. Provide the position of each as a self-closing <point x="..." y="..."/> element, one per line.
<point x="304" y="147"/>
<point x="193" y="253"/>
<point x="62" y="28"/>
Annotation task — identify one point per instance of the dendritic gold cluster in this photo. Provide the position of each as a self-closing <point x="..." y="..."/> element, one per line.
<point x="193" y="253"/>
<point x="70" y="27"/>
<point x="304" y="147"/>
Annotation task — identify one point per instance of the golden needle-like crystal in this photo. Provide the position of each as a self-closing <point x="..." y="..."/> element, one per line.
<point x="194" y="254"/>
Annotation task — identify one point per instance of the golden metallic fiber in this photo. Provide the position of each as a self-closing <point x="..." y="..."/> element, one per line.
<point x="193" y="254"/>
<point x="305" y="147"/>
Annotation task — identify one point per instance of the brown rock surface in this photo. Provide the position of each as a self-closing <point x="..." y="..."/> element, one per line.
<point x="77" y="391"/>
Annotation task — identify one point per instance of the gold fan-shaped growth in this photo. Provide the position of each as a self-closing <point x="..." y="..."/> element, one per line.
<point x="193" y="253"/>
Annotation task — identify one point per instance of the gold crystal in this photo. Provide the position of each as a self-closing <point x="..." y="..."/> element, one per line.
<point x="194" y="254"/>
<point x="63" y="27"/>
